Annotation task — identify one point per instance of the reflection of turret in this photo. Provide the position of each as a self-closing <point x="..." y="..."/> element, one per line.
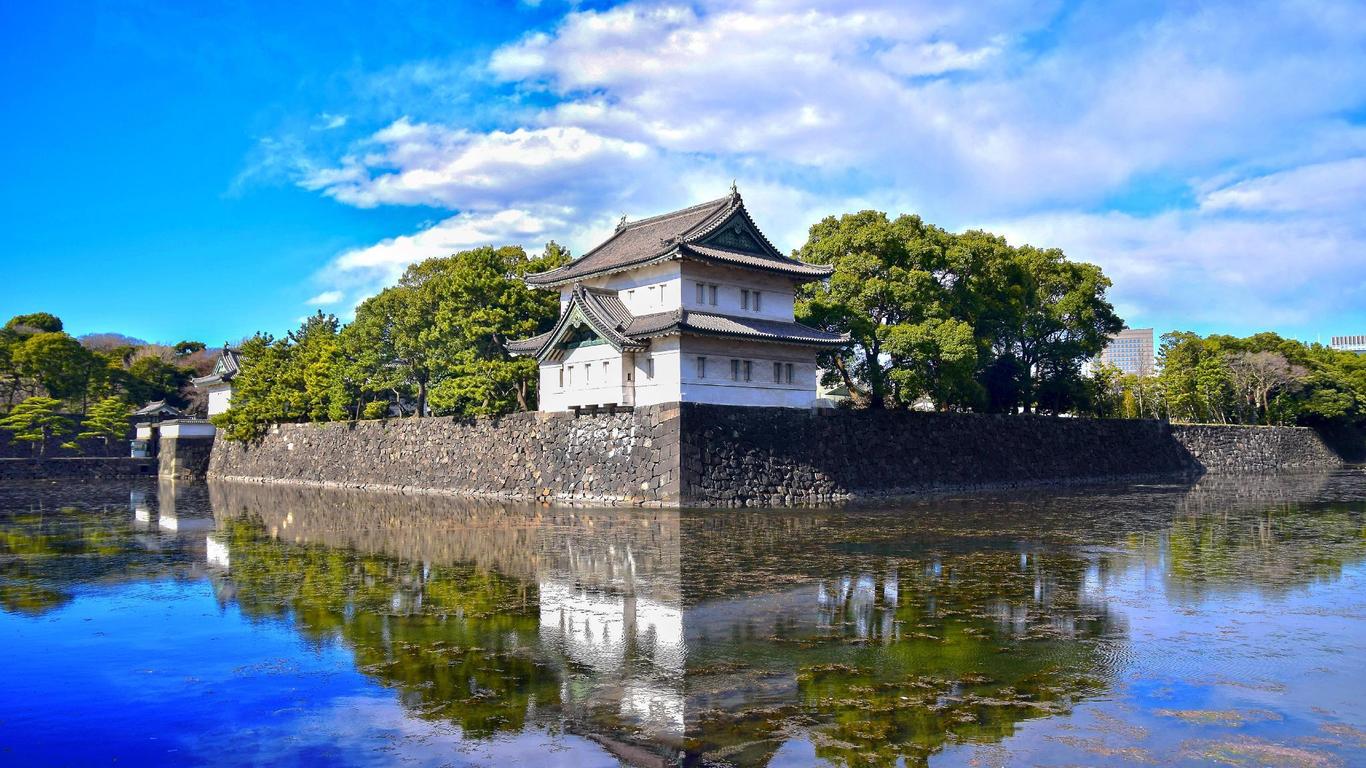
<point x="600" y="589"/>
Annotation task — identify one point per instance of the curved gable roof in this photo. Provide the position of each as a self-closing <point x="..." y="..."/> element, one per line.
<point x="603" y="312"/>
<point x="698" y="232"/>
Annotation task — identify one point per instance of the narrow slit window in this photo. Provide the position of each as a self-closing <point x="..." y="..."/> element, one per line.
<point x="701" y="367"/>
<point x="758" y="298"/>
<point x="711" y="291"/>
<point x="561" y="377"/>
<point x="605" y="376"/>
<point x="789" y="373"/>
<point x="570" y="370"/>
<point x="735" y="370"/>
<point x="749" y="370"/>
<point x="649" y="367"/>
<point x="701" y="293"/>
<point x="587" y="374"/>
<point x="744" y="299"/>
<point x="777" y="373"/>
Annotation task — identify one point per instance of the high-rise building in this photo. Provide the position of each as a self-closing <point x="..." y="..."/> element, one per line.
<point x="1131" y="351"/>
<point x="1355" y="344"/>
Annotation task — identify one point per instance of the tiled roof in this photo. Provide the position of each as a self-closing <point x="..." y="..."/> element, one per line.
<point x="228" y="365"/>
<point x="678" y="235"/>
<point x="635" y="243"/>
<point x="726" y="325"/>
<point x="157" y="407"/>
<point x="781" y="264"/>
<point x="528" y="346"/>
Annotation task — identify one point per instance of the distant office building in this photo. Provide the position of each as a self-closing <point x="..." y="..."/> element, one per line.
<point x="1131" y="351"/>
<point x="1355" y="344"/>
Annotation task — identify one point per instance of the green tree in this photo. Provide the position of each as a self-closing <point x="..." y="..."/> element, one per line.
<point x="107" y="420"/>
<point x="482" y="304"/>
<point x="187" y="348"/>
<point x="1054" y="317"/>
<point x="257" y="397"/>
<point x="150" y="378"/>
<point x="36" y="322"/>
<point x="37" y="420"/>
<point x="884" y="290"/>
<point x="57" y="364"/>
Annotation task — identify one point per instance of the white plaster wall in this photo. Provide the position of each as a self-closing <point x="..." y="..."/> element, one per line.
<point x="778" y="292"/>
<point x="664" y="387"/>
<point x="605" y="377"/>
<point x="761" y="389"/>
<point x="644" y="291"/>
<point x="187" y="429"/>
<point x="220" y="396"/>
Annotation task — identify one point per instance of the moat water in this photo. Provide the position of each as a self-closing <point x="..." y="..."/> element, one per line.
<point x="1221" y="623"/>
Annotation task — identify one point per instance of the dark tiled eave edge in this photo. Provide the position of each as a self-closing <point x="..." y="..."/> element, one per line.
<point x="706" y="324"/>
<point x="713" y="254"/>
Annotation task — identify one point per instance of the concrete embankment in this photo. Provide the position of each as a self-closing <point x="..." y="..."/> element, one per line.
<point x="727" y="456"/>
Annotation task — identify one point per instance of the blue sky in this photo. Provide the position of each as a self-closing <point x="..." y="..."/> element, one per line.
<point x="174" y="173"/>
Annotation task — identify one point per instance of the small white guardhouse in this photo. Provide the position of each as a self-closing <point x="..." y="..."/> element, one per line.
<point x="219" y="383"/>
<point x="690" y="306"/>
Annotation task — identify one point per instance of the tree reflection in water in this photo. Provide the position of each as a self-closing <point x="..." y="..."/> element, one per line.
<point x="879" y="636"/>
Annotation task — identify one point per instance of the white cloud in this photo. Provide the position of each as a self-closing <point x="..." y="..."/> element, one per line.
<point x="1029" y="115"/>
<point x="1320" y="187"/>
<point x="326" y="298"/>
<point x="328" y="121"/>
<point x="1204" y="269"/>
<point x="363" y="271"/>
<point x="420" y="163"/>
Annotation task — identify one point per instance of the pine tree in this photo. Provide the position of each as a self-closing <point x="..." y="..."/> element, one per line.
<point x="36" y="420"/>
<point x="107" y="420"/>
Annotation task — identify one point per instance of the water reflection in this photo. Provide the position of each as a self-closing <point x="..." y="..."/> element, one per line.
<point x="853" y="636"/>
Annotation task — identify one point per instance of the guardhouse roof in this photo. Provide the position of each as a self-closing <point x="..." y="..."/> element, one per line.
<point x="718" y="231"/>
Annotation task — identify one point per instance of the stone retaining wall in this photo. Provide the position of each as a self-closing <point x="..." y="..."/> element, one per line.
<point x="621" y="458"/>
<point x="76" y="469"/>
<point x="1238" y="449"/>
<point x="730" y="456"/>
<point x="771" y="456"/>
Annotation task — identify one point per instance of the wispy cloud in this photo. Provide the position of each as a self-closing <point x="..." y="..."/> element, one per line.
<point x="325" y="299"/>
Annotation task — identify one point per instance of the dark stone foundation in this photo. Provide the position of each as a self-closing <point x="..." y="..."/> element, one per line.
<point x="691" y="454"/>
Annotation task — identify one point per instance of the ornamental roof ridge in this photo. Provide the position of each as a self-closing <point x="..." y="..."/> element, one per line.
<point x="659" y="217"/>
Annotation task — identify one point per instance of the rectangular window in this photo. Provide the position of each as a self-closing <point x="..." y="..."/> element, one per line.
<point x="734" y="370"/>
<point x="605" y="377"/>
<point x="649" y="367"/>
<point x="661" y="293"/>
<point x="701" y="293"/>
<point x="701" y="367"/>
<point x="777" y="373"/>
<point x="749" y="370"/>
<point x="757" y="299"/>
<point x="711" y="290"/>
<point x="744" y="299"/>
<point x="570" y="369"/>
<point x="789" y="373"/>
<point x="562" y="377"/>
<point x="587" y="374"/>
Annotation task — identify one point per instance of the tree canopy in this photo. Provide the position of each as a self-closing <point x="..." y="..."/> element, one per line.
<point x="39" y="359"/>
<point x="959" y="321"/>
<point x="433" y="344"/>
